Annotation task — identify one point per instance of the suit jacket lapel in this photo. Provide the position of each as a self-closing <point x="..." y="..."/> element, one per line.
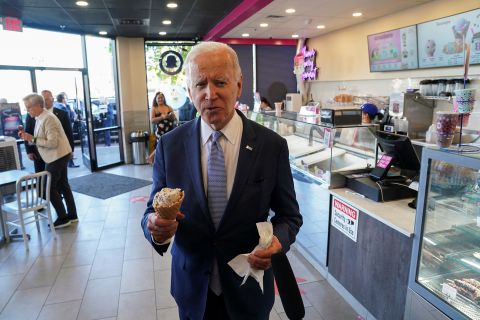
<point x="192" y="147"/>
<point x="246" y="158"/>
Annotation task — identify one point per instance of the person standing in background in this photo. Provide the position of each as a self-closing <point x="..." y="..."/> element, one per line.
<point x="39" y="163"/>
<point x="233" y="171"/>
<point x="53" y="147"/>
<point x="61" y="103"/>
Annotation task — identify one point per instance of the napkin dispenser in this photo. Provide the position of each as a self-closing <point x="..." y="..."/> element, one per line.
<point x="341" y="117"/>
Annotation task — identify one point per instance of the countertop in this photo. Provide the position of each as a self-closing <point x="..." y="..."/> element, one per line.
<point x="395" y="214"/>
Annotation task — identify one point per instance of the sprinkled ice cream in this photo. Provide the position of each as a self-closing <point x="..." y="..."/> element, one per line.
<point x="167" y="202"/>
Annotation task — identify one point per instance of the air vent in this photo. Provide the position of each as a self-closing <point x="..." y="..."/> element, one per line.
<point x="132" y="22"/>
<point x="275" y="17"/>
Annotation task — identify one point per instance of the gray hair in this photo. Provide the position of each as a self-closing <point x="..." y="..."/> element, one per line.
<point x="211" y="47"/>
<point x="34" y="99"/>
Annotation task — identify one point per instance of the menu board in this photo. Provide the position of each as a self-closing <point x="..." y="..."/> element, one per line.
<point x="441" y="42"/>
<point x="393" y="50"/>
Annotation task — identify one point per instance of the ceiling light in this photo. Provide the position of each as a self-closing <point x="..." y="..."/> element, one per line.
<point x="172" y="5"/>
<point x="357" y="14"/>
<point x="263" y="25"/>
<point x="245" y="35"/>
<point x="103" y="33"/>
<point x="81" y="3"/>
<point x="321" y="26"/>
<point x="162" y="33"/>
<point x="294" y="35"/>
<point x="291" y="10"/>
<point x="167" y="22"/>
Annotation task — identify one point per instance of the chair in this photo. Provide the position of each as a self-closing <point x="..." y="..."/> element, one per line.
<point x="33" y="194"/>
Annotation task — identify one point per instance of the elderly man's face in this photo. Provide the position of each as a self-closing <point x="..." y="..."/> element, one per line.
<point x="214" y="89"/>
<point x="33" y="110"/>
<point x="47" y="95"/>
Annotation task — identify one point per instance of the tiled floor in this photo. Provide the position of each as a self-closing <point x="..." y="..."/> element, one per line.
<point x="102" y="268"/>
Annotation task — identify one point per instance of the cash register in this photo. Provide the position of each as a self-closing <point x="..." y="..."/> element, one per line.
<point x="396" y="168"/>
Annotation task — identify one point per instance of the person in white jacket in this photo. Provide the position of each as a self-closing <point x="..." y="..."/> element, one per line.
<point x="55" y="150"/>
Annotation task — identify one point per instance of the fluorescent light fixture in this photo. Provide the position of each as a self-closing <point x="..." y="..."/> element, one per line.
<point x="320" y="26"/>
<point x="167" y="22"/>
<point x="294" y="35"/>
<point x="245" y="35"/>
<point x="81" y="3"/>
<point x="103" y="33"/>
<point x="263" y="25"/>
<point x="357" y="14"/>
<point x="290" y="10"/>
<point x="172" y="5"/>
<point x="162" y="33"/>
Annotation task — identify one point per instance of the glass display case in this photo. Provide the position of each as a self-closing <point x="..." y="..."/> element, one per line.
<point x="445" y="267"/>
<point x="319" y="151"/>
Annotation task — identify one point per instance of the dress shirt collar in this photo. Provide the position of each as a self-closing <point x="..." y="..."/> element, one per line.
<point x="230" y="131"/>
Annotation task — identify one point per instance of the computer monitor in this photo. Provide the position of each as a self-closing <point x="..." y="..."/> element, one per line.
<point x="399" y="152"/>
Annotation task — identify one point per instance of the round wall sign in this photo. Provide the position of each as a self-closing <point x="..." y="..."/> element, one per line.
<point x="171" y="62"/>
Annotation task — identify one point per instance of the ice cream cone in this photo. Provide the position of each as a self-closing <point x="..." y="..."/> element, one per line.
<point x="164" y="206"/>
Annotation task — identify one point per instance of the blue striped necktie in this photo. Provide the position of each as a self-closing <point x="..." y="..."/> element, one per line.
<point x="217" y="180"/>
<point x="217" y="196"/>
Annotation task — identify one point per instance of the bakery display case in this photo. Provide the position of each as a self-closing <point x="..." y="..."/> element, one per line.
<point x="322" y="151"/>
<point x="445" y="266"/>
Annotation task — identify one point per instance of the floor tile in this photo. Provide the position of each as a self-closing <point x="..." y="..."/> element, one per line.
<point x="137" y="305"/>
<point x="137" y="247"/>
<point x="59" y="246"/>
<point x="8" y="285"/>
<point x="116" y="218"/>
<point x="162" y="290"/>
<point x="137" y="275"/>
<point x="70" y="284"/>
<point x="43" y="272"/>
<point x="89" y="231"/>
<point x="25" y="304"/>
<point x="101" y="299"/>
<point x="112" y="238"/>
<point x="311" y="314"/>
<point x="60" y="311"/>
<point x="167" y="313"/>
<point x="81" y="253"/>
<point x="107" y="263"/>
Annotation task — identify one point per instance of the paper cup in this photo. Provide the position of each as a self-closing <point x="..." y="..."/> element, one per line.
<point x="444" y="140"/>
<point x="464" y="100"/>
<point x="446" y="122"/>
<point x="278" y="108"/>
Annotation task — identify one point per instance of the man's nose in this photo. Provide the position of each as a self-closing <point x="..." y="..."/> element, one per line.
<point x="211" y="92"/>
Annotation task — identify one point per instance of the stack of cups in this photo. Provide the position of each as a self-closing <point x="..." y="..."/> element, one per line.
<point x="446" y="124"/>
<point x="463" y="103"/>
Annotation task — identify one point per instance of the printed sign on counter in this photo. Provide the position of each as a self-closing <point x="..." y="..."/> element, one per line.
<point x="345" y="218"/>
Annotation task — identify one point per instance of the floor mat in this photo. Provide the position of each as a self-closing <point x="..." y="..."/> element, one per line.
<point x="106" y="185"/>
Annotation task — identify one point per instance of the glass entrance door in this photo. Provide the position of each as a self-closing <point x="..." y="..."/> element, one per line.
<point x="70" y="83"/>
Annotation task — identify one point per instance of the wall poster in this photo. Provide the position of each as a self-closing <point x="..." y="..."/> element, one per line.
<point x="441" y="42"/>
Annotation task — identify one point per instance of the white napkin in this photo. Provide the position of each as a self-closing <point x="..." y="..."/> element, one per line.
<point x="240" y="263"/>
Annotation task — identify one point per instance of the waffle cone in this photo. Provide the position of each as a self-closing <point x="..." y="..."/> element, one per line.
<point x="168" y="211"/>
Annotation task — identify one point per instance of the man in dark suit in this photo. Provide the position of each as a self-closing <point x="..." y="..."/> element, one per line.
<point x="255" y="179"/>
<point x="38" y="162"/>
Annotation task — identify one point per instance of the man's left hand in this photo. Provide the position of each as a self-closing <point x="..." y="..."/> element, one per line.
<point x="26" y="136"/>
<point x="261" y="258"/>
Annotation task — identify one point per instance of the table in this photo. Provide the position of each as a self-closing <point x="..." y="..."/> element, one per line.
<point x="7" y="178"/>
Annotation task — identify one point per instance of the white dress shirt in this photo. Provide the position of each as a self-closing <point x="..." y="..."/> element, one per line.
<point x="230" y="143"/>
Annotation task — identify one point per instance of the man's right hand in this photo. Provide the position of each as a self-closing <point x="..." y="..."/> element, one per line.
<point x="31" y="156"/>
<point x="162" y="229"/>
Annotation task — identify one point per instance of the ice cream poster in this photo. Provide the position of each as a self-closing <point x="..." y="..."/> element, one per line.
<point x="393" y="50"/>
<point x="441" y="42"/>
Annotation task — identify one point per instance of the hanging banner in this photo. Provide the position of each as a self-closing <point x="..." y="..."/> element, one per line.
<point x="345" y="218"/>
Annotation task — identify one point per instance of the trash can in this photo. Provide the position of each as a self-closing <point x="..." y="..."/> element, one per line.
<point x="139" y="141"/>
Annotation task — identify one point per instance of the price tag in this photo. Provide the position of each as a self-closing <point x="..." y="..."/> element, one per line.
<point x="328" y="137"/>
<point x="449" y="291"/>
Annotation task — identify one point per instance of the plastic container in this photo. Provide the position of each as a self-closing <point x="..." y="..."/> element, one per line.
<point x="434" y="89"/>
<point x="139" y="141"/>
<point x="442" y="87"/>
<point x="425" y="87"/>
<point x="450" y="86"/>
<point x="446" y="122"/>
<point x="444" y="140"/>
<point x="464" y="100"/>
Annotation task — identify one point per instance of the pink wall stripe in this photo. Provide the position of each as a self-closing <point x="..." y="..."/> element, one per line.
<point x="242" y="12"/>
<point x="272" y="42"/>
